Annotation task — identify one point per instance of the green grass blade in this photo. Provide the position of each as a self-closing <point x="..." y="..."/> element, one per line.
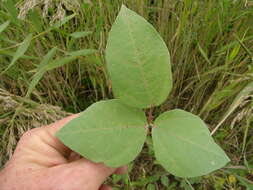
<point x="48" y="57"/>
<point x="36" y="78"/>
<point x="44" y="67"/>
<point x="35" y="81"/>
<point x="59" y="63"/>
<point x="12" y="10"/>
<point x="20" y="52"/>
<point x="82" y="52"/>
<point x="63" y="21"/>
<point x="244" y="47"/>
<point x="77" y="35"/>
<point x="232" y="44"/>
<point x="245" y="182"/>
<point x="11" y="54"/>
<point x="246" y="91"/>
<point x="4" y="26"/>
<point x="203" y="53"/>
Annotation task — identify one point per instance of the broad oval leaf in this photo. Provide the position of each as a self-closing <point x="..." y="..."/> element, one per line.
<point x="138" y="61"/>
<point x="183" y="145"/>
<point x="107" y="132"/>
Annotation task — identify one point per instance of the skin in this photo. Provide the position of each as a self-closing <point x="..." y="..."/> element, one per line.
<point x="42" y="162"/>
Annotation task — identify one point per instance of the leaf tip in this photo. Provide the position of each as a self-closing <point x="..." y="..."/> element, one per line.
<point x="123" y="6"/>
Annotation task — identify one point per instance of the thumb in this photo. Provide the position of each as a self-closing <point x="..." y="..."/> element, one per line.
<point x="97" y="173"/>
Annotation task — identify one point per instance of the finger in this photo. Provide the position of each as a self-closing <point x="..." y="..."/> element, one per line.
<point x="52" y="130"/>
<point x="122" y="170"/>
<point x="79" y="174"/>
<point x="105" y="187"/>
<point x="97" y="172"/>
<point x="41" y="147"/>
<point x="54" y="127"/>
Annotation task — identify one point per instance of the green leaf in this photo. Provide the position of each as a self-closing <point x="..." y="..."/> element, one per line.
<point x="4" y="26"/>
<point x="203" y="53"/>
<point x="36" y="78"/>
<point x="245" y="182"/>
<point x="151" y="187"/>
<point x="165" y="181"/>
<point x="20" y="52"/>
<point x="80" y="34"/>
<point x="48" y="57"/>
<point x="239" y="99"/>
<point x="11" y="54"/>
<point x="45" y="66"/>
<point x="59" y="63"/>
<point x="138" y="61"/>
<point x="36" y="21"/>
<point x="183" y="145"/>
<point x="12" y="10"/>
<point x="107" y="132"/>
<point x="83" y="52"/>
<point x="63" y="21"/>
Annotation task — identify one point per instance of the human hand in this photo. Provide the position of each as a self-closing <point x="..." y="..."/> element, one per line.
<point x="42" y="162"/>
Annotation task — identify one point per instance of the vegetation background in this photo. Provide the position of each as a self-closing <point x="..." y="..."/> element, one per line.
<point x="52" y="64"/>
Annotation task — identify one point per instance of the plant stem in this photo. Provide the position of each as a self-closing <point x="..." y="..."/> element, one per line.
<point x="150" y="115"/>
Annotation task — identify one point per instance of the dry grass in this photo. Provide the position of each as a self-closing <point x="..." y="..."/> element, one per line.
<point x="17" y="116"/>
<point x="59" y="7"/>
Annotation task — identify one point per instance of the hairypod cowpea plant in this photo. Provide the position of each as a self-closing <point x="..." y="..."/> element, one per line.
<point x="113" y="131"/>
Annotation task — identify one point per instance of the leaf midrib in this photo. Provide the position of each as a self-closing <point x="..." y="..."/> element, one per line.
<point x="144" y="79"/>
<point x="99" y="129"/>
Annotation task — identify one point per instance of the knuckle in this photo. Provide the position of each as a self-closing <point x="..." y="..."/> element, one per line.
<point x="30" y="133"/>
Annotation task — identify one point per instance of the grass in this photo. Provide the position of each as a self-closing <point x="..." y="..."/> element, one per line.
<point x="210" y="42"/>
